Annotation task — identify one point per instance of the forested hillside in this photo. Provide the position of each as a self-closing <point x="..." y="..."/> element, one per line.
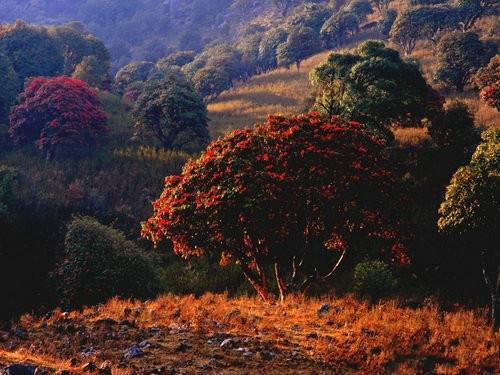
<point x="150" y="29"/>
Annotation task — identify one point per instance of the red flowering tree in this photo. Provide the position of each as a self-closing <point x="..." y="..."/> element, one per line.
<point x="487" y="80"/>
<point x="289" y="194"/>
<point x="60" y="115"/>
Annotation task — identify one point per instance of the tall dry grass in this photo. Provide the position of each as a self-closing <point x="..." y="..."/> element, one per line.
<point x="353" y="336"/>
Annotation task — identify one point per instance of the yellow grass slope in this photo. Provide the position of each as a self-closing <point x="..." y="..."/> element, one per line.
<point x="285" y="91"/>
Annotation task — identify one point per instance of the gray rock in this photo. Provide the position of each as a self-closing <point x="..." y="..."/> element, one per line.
<point x="145" y="344"/>
<point x="323" y="309"/>
<point x="227" y="343"/>
<point x="20" y="369"/>
<point x="133" y="352"/>
<point x="266" y="355"/>
<point x="183" y="347"/>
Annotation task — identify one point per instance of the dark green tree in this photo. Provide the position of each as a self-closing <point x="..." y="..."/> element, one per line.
<point x="9" y="88"/>
<point x="32" y="51"/>
<point x="338" y="28"/>
<point x="135" y="71"/>
<point x="471" y="10"/>
<point x="268" y="48"/>
<point x="454" y="130"/>
<point x="300" y="44"/>
<point x="471" y="212"/>
<point x="171" y="111"/>
<point x="459" y="56"/>
<point x="91" y="71"/>
<point x="375" y="86"/>
<point x="421" y="23"/>
<point x="211" y="81"/>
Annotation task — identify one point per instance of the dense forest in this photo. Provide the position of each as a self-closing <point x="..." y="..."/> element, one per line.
<point x="295" y="151"/>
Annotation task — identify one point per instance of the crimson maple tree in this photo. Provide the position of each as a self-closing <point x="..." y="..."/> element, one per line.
<point x="288" y="195"/>
<point x="60" y="115"/>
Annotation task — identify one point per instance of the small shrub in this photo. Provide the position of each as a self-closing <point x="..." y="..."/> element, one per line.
<point x="99" y="263"/>
<point x="374" y="279"/>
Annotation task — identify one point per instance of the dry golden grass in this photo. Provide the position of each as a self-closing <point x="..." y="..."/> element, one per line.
<point x="283" y="91"/>
<point x="289" y="92"/>
<point x="353" y="336"/>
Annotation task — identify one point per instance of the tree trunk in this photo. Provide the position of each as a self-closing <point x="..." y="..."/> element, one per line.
<point x="495" y="302"/>
<point x="494" y="290"/>
<point x="279" y="282"/>
<point x="259" y="288"/>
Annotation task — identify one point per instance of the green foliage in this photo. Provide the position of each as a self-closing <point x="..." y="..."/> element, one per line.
<point x="454" y="129"/>
<point x="77" y="44"/>
<point x="32" y="51"/>
<point x="100" y="263"/>
<point x="374" y="279"/>
<point x="220" y="55"/>
<point x="459" y="56"/>
<point x="91" y="71"/>
<point x="339" y="27"/>
<point x="9" y="87"/>
<point x="135" y="71"/>
<point x="471" y="212"/>
<point x="375" y="86"/>
<point x="211" y="81"/>
<point x="308" y="15"/>
<point x="472" y="202"/>
<point x="300" y="44"/>
<point x="269" y="46"/>
<point x="386" y="21"/>
<point x="422" y="23"/>
<point x="172" y="112"/>
<point x="360" y="8"/>
<point x="179" y="58"/>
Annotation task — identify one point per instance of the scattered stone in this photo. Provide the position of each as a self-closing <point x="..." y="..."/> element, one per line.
<point x="106" y="322"/>
<point x="323" y="309"/>
<point x="312" y="335"/>
<point x="266" y="355"/>
<point x="89" y="352"/>
<point x="20" y="369"/>
<point x="183" y="347"/>
<point x="89" y="367"/>
<point x="227" y="343"/>
<point x="145" y="344"/>
<point x="155" y="330"/>
<point x="19" y="333"/>
<point x="368" y="332"/>
<point x="219" y="336"/>
<point x="133" y="352"/>
<point x="295" y="327"/>
<point x="247" y="354"/>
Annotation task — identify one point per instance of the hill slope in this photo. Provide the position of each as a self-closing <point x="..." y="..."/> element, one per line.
<point x="214" y="334"/>
<point x="288" y="91"/>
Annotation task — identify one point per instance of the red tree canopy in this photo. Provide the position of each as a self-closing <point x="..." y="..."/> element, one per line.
<point x="58" y="114"/>
<point x="286" y="194"/>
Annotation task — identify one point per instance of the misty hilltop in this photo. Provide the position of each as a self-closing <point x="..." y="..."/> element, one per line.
<point x="151" y="29"/>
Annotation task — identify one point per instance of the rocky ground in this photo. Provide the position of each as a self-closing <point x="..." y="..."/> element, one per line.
<point x="108" y="344"/>
<point x="217" y="335"/>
